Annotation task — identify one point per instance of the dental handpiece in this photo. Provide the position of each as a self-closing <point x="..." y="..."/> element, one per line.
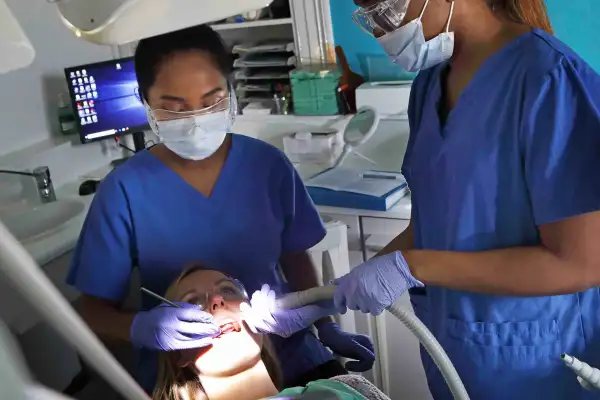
<point x="429" y="342"/>
<point x="587" y="376"/>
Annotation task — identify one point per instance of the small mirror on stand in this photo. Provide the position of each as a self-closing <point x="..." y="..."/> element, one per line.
<point x="359" y="130"/>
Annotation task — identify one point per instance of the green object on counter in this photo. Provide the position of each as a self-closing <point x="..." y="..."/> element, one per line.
<point x="314" y="90"/>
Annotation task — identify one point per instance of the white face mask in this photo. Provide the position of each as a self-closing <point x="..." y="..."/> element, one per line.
<point x="407" y="48"/>
<point x="195" y="137"/>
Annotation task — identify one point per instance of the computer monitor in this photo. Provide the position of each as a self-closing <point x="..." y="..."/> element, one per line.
<point x="106" y="100"/>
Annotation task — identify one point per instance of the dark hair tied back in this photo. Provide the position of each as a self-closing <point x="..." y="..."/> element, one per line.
<point x="152" y="52"/>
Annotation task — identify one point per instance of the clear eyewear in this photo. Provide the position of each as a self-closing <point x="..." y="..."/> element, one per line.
<point x="382" y="18"/>
<point x="168" y="115"/>
<point x="231" y="290"/>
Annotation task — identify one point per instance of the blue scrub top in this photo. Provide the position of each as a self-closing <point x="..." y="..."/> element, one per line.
<point x="146" y="215"/>
<point x="520" y="149"/>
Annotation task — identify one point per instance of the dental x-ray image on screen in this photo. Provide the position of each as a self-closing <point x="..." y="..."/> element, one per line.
<point x="106" y="100"/>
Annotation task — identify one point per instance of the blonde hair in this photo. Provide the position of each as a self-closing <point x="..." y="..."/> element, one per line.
<point x="176" y="383"/>
<point x="528" y="12"/>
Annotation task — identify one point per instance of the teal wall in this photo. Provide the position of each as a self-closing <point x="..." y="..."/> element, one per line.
<point x="576" y="22"/>
<point x="364" y="54"/>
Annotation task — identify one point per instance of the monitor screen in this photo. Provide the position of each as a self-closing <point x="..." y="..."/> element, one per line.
<point x="105" y="99"/>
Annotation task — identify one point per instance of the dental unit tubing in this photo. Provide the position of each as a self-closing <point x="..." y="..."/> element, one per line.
<point x="433" y="347"/>
<point x="587" y="376"/>
<point x="29" y="279"/>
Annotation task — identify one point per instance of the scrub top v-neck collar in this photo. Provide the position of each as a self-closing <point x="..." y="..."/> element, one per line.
<point x="469" y="96"/>
<point x="221" y="186"/>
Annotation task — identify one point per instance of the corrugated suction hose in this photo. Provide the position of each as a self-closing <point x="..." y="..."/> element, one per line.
<point x="433" y="347"/>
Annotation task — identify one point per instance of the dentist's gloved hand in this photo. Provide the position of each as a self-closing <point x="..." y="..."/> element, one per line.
<point x="167" y="328"/>
<point x="348" y="345"/>
<point x="262" y="314"/>
<point x="374" y="285"/>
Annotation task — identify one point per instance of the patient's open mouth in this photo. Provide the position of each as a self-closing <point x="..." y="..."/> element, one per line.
<point x="229" y="327"/>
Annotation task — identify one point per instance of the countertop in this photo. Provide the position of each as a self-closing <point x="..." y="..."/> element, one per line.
<point x="63" y="240"/>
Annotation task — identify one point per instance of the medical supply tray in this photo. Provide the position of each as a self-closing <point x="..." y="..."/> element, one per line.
<point x="314" y="90"/>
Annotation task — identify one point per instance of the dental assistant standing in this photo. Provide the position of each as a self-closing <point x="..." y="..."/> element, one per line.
<point x="233" y="203"/>
<point x="503" y="163"/>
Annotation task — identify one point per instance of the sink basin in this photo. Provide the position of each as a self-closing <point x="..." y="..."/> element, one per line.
<point x="29" y="223"/>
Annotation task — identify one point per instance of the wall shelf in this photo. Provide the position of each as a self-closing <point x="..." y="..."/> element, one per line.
<point x="252" y="24"/>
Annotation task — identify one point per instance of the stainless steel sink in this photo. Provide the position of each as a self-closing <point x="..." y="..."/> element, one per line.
<point x="29" y="222"/>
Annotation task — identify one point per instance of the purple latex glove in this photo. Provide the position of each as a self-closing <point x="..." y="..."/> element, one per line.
<point x="374" y="285"/>
<point x="348" y="345"/>
<point x="167" y="328"/>
<point x="262" y="314"/>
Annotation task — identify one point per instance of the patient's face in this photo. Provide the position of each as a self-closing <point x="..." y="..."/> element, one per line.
<point x="237" y="348"/>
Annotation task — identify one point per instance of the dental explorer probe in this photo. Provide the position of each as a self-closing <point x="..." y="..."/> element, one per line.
<point x="429" y="342"/>
<point x="151" y="293"/>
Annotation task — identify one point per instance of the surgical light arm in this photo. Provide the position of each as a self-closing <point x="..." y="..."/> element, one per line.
<point x="117" y="22"/>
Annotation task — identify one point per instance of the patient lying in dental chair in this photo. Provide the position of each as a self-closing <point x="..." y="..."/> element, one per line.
<point x="239" y="364"/>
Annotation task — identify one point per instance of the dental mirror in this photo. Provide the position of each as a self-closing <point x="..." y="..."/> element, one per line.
<point x="359" y="130"/>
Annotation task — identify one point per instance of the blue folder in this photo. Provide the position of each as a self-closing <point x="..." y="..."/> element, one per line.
<point x="336" y="198"/>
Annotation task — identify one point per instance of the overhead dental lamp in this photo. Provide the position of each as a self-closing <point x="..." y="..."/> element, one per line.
<point x="116" y="22"/>
<point x="16" y="50"/>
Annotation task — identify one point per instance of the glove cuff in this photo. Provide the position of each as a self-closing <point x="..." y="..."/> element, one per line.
<point x="324" y="324"/>
<point x="404" y="269"/>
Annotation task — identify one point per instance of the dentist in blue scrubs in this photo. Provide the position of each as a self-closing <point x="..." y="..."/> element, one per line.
<point x="205" y="195"/>
<point x="502" y="253"/>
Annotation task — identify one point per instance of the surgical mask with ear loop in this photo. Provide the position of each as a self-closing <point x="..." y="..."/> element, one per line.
<point x="194" y="135"/>
<point x="407" y="48"/>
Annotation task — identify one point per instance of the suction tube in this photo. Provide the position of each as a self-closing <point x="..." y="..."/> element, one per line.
<point x="433" y="347"/>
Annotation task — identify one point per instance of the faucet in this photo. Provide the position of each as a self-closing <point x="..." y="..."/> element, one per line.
<point x="42" y="178"/>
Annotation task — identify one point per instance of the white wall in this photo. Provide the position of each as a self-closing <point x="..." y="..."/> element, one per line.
<point x="28" y="97"/>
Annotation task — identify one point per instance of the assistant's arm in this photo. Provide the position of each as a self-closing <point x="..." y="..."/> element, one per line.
<point x="404" y="241"/>
<point x="567" y="261"/>
<point x="561" y="142"/>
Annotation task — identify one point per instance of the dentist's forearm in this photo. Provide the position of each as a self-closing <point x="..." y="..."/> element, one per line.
<point x="516" y="271"/>
<point x="105" y="320"/>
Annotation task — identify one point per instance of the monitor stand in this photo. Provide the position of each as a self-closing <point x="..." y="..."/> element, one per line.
<point x="139" y="143"/>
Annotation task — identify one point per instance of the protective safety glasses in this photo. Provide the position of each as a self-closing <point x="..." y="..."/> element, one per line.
<point x="167" y="115"/>
<point x="230" y="289"/>
<point x="381" y="18"/>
